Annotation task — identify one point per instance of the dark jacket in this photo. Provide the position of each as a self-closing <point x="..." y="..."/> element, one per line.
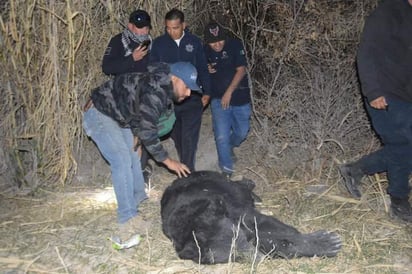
<point x="115" y="62"/>
<point x="385" y="52"/>
<point x="137" y="100"/>
<point x="165" y="49"/>
<point x="226" y="62"/>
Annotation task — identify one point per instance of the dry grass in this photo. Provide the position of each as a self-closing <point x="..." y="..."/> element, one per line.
<point x="72" y="236"/>
<point x="66" y="230"/>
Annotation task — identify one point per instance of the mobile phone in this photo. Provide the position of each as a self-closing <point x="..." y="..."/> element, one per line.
<point x="145" y="43"/>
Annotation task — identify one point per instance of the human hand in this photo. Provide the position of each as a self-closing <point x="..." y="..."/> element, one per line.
<point x="379" y="103"/>
<point x="140" y="52"/>
<point x="211" y="67"/>
<point x="205" y="100"/>
<point x="179" y="168"/>
<point x="225" y="101"/>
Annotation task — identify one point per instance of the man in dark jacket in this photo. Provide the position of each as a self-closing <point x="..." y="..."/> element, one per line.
<point x="125" y="109"/>
<point x="385" y="67"/>
<point x="178" y="44"/>
<point x="128" y="51"/>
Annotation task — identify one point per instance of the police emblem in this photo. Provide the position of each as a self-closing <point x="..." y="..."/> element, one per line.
<point x="189" y="48"/>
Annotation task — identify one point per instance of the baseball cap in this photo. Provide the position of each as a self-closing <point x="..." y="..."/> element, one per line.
<point x="213" y="33"/>
<point x="187" y="72"/>
<point x="140" y="19"/>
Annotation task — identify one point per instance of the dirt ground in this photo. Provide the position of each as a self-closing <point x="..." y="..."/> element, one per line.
<point x="65" y="229"/>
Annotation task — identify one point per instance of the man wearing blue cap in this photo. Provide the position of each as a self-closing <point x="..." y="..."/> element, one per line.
<point x="125" y="111"/>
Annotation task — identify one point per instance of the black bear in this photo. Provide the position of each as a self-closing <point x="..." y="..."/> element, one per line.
<point x="211" y="219"/>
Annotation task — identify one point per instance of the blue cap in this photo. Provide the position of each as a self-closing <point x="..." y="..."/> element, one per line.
<point x="187" y="72"/>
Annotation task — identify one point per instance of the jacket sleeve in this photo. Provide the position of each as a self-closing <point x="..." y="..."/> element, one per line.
<point x="151" y="107"/>
<point x="154" y="53"/>
<point x="114" y="61"/>
<point x="373" y="48"/>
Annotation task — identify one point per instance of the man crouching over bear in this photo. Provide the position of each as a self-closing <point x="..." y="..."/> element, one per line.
<point x="213" y="220"/>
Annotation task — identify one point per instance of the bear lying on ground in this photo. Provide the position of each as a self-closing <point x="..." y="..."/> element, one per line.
<point x="203" y="214"/>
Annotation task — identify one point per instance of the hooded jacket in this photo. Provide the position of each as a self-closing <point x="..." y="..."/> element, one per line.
<point x="385" y="52"/>
<point x="136" y="101"/>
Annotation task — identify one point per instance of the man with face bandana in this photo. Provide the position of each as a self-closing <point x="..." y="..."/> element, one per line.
<point x="127" y="51"/>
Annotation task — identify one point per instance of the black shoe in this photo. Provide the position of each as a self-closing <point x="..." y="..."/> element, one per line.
<point x="147" y="174"/>
<point x="401" y="209"/>
<point x="352" y="177"/>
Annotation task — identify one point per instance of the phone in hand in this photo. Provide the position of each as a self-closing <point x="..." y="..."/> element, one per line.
<point x="145" y="44"/>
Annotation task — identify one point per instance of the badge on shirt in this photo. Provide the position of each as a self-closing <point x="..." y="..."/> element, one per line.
<point x="189" y="48"/>
<point x="242" y="52"/>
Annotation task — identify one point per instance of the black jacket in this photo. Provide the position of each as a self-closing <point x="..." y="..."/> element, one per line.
<point x="115" y="62"/>
<point x="137" y="100"/>
<point x="385" y="52"/>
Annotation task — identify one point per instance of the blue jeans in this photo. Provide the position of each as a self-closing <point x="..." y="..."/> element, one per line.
<point x="230" y="127"/>
<point x="394" y="127"/>
<point x="116" y="146"/>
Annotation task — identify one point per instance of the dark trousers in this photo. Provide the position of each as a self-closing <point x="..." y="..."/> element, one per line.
<point x="144" y="158"/>
<point x="185" y="133"/>
<point x="394" y="127"/>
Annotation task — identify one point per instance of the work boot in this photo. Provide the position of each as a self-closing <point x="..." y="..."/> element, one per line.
<point x="352" y="177"/>
<point x="401" y="209"/>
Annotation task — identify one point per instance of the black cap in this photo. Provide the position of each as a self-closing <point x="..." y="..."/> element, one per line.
<point x="140" y="19"/>
<point x="214" y="33"/>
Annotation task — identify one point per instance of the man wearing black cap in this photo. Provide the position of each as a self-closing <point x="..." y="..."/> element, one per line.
<point x="230" y="95"/>
<point x="126" y="109"/>
<point x="128" y="51"/>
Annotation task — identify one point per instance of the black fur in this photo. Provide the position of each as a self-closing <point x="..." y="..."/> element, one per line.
<point x="201" y="214"/>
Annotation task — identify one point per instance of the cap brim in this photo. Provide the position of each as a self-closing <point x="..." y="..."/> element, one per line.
<point x="194" y="87"/>
<point x="214" y="40"/>
<point x="142" y="25"/>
